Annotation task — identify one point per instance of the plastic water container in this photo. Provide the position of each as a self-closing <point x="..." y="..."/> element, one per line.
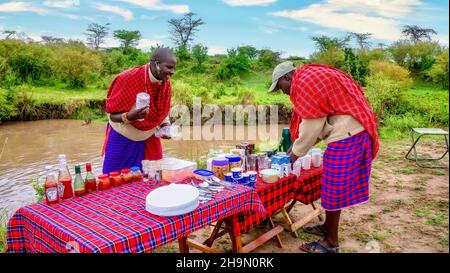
<point x="142" y="100"/>
<point x="316" y="157"/>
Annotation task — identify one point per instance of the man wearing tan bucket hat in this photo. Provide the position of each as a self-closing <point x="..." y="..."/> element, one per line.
<point x="330" y="106"/>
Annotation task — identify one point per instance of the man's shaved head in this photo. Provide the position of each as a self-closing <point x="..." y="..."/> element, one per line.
<point x="162" y="54"/>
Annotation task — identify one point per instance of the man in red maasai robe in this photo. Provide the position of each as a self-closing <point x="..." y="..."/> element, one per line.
<point x="130" y="132"/>
<point x="330" y="106"/>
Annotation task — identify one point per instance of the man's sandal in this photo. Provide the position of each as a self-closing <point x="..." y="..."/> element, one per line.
<point x="318" y="230"/>
<point x="318" y="247"/>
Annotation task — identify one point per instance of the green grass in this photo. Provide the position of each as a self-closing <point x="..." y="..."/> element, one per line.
<point x="3" y="223"/>
<point x="60" y="95"/>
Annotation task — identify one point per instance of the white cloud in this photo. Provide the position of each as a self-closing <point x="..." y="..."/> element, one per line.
<point x="379" y="17"/>
<point x="158" y="5"/>
<point x="443" y="39"/>
<point x="64" y="4"/>
<point x="22" y="7"/>
<point x="125" y="13"/>
<point x="148" y="43"/>
<point x="216" y="51"/>
<point x="235" y="3"/>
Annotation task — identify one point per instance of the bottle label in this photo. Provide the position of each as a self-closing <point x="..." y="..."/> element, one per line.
<point x="52" y="194"/>
<point x="61" y="189"/>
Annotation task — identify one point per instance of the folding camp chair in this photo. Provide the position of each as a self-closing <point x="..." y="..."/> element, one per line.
<point x="422" y="132"/>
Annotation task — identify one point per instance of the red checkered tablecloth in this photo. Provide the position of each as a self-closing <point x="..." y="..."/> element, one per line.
<point x="115" y="220"/>
<point x="274" y="196"/>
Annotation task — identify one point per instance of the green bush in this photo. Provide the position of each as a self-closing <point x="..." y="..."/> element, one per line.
<point x="77" y="68"/>
<point x="416" y="57"/>
<point x="439" y="71"/>
<point x="181" y="93"/>
<point x="219" y="91"/>
<point x="383" y="95"/>
<point x="245" y="96"/>
<point x="332" y="57"/>
<point x="392" y="72"/>
<point x="7" y="105"/>
<point x="235" y="64"/>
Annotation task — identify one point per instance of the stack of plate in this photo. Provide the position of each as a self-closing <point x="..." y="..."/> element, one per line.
<point x="172" y="200"/>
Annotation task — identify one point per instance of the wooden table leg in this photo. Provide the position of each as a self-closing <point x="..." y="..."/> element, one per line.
<point x="291" y="205"/>
<point x="235" y="240"/>
<point x="214" y="235"/>
<point x="182" y="244"/>
<point x="314" y="207"/>
<point x="272" y="225"/>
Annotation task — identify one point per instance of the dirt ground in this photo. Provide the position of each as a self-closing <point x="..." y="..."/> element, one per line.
<point x="407" y="211"/>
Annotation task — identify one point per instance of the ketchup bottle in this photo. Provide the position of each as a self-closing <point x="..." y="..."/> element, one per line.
<point x="51" y="187"/>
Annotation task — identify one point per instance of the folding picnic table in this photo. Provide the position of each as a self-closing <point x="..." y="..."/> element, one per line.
<point x="423" y="132"/>
<point x="115" y="220"/>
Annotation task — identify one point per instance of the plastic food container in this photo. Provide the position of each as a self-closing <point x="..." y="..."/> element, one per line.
<point x="174" y="169"/>
<point x="235" y="161"/>
<point x="269" y="175"/>
<point x="220" y="166"/>
<point x="203" y="174"/>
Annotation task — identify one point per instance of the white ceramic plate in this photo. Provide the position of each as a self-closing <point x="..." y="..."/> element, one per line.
<point x="174" y="199"/>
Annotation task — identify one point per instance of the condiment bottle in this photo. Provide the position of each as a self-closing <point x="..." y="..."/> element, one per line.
<point x="64" y="178"/>
<point x="89" y="181"/>
<point x="51" y="187"/>
<point x="115" y="179"/>
<point x="79" y="186"/>
<point x="103" y="182"/>
<point x="136" y="174"/>
<point x="126" y="176"/>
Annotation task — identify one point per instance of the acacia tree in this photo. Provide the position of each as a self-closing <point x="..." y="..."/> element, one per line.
<point x="362" y="39"/>
<point x="417" y="34"/>
<point x="127" y="38"/>
<point x="96" y="34"/>
<point x="183" y="30"/>
<point x="324" y="43"/>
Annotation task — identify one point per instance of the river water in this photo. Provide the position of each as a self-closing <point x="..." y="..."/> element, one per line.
<point x="27" y="147"/>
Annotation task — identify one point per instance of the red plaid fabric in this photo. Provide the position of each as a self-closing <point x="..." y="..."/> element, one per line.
<point x="115" y="220"/>
<point x="275" y="195"/>
<point x="308" y="186"/>
<point x="122" y="96"/>
<point x="318" y="91"/>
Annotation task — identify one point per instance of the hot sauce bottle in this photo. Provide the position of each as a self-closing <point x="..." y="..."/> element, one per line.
<point x="51" y="187"/>
<point x="89" y="181"/>
<point x="65" y="179"/>
<point x="80" y="188"/>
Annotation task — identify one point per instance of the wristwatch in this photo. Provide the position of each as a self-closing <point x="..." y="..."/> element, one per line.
<point x="125" y="119"/>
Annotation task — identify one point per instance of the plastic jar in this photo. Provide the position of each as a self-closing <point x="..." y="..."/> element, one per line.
<point x="235" y="161"/>
<point x="136" y="174"/>
<point x="220" y="166"/>
<point x="115" y="179"/>
<point x="103" y="182"/>
<point x="126" y="176"/>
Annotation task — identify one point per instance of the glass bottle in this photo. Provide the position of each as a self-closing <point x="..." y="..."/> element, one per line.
<point x="79" y="186"/>
<point x="51" y="187"/>
<point x="64" y="178"/>
<point x="89" y="181"/>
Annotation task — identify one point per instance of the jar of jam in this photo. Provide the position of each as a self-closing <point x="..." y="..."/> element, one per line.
<point x="220" y="166"/>
<point x="103" y="182"/>
<point x="136" y="174"/>
<point x="115" y="179"/>
<point x="126" y="176"/>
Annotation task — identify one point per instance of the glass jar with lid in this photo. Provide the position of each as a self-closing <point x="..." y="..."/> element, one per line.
<point x="115" y="179"/>
<point x="103" y="182"/>
<point x="136" y="174"/>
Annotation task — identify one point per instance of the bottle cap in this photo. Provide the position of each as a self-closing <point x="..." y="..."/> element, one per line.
<point x="114" y="174"/>
<point x="125" y="171"/>
<point x="77" y="169"/>
<point x="88" y="167"/>
<point x="135" y="169"/>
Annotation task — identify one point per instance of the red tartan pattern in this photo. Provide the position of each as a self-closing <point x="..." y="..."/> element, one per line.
<point x="115" y="220"/>
<point x="319" y="91"/>
<point x="307" y="190"/>
<point x="274" y="196"/>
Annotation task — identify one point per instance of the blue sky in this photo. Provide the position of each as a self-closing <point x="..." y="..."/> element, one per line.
<point x="282" y="25"/>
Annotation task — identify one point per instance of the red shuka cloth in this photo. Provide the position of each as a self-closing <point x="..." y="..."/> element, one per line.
<point x="318" y="91"/>
<point x="122" y="97"/>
